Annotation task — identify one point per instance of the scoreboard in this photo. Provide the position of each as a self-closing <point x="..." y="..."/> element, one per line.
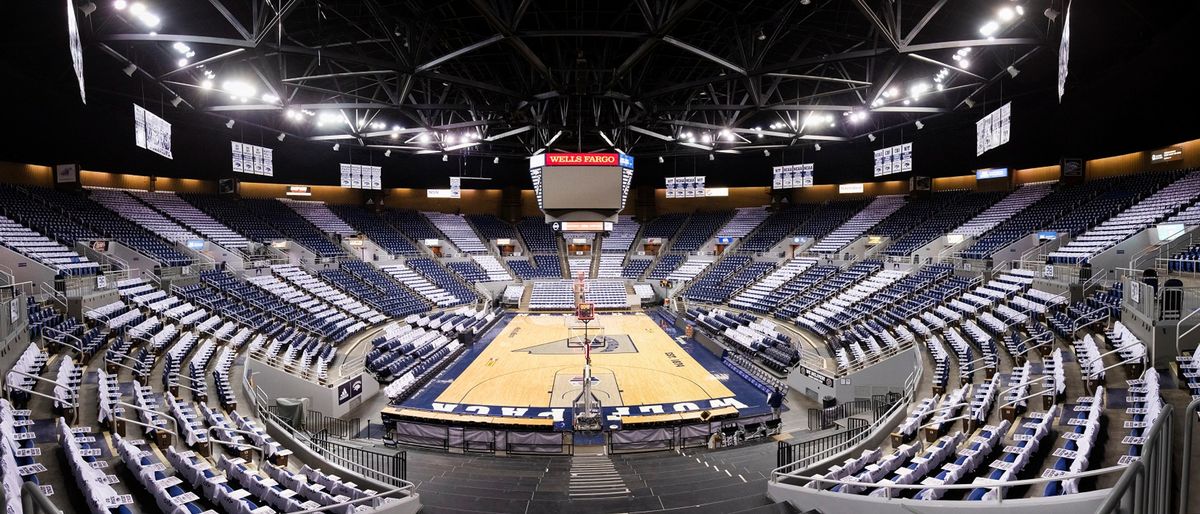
<point x="581" y="186"/>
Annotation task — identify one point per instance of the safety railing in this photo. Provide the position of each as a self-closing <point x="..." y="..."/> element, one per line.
<point x="791" y="461"/>
<point x="1143" y="486"/>
<point x="260" y="401"/>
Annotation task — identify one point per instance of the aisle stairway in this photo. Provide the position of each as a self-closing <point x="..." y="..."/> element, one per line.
<point x="594" y="476"/>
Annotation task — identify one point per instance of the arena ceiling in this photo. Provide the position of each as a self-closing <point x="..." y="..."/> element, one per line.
<point x="680" y="79"/>
<point x="648" y="77"/>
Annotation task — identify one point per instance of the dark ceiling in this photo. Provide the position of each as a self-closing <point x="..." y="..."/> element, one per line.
<point x="510" y="77"/>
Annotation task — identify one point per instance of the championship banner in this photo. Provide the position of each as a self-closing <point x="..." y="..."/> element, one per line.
<point x="686" y="187"/>
<point x="893" y="159"/>
<point x="792" y="176"/>
<point x="993" y="130"/>
<point x="253" y="160"/>
<point x="360" y="176"/>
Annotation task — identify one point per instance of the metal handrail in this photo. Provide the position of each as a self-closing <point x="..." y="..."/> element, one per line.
<point x="258" y="398"/>
<point x="1130" y="471"/>
<point x="1189" y="424"/>
<point x="160" y="415"/>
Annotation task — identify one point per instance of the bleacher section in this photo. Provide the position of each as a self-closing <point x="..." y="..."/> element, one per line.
<point x="538" y="236"/>
<point x="620" y="239"/>
<point x="293" y="226"/>
<point x="109" y="224"/>
<point x="124" y="204"/>
<point x="492" y="267"/>
<point x="41" y="249"/>
<point x="1156" y="207"/>
<point x="417" y="282"/>
<point x="610" y="265"/>
<point x="455" y="227"/>
<point x="636" y="267"/>
<point x="779" y="225"/>
<point x="320" y="216"/>
<point x="743" y="222"/>
<point x="946" y="211"/>
<point x="698" y="230"/>
<point x="1001" y="211"/>
<point x="188" y="215"/>
<point x="235" y="215"/>
<point x="377" y="230"/>
<point x="491" y="228"/>
<point x="689" y="269"/>
<point x="878" y="210"/>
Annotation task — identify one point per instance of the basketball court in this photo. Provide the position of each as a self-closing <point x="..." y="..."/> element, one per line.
<point x="535" y="361"/>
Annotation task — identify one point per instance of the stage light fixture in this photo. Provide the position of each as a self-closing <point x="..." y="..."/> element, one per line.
<point x="495" y="160"/>
<point x="281" y="136"/>
<point x="920" y="125"/>
<point x="660" y="159"/>
<point x="1013" y="71"/>
<point x="120" y="5"/>
<point x="445" y="158"/>
<point x="766" y="153"/>
<point x="871" y="137"/>
<point x="88" y="8"/>
<point x="1050" y="13"/>
<point x="129" y="69"/>
<point x="387" y="153"/>
<point x="176" y="101"/>
<point x="337" y="146"/>
<point x="817" y="147"/>
<point x="712" y="157"/>
<point x="229" y="124"/>
<point x="970" y="103"/>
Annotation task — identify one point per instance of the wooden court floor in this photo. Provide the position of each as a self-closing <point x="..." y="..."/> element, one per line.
<point x="515" y="369"/>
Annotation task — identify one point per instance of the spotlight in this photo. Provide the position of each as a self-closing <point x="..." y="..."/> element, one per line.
<point x="706" y="138"/>
<point x="1013" y="71"/>
<point x="871" y="137"/>
<point x="423" y="138"/>
<point x="970" y="103"/>
<point x="137" y="8"/>
<point x="817" y="147"/>
<point x="1050" y="13"/>
<point x="445" y="158"/>
<point x="759" y="36"/>
<point x="805" y="2"/>
<point x="88" y="8"/>
<point x="229" y="124"/>
<point x="495" y="160"/>
<point x="129" y="69"/>
<point x="1020" y="10"/>
<point x="448" y="139"/>
<point x="176" y="101"/>
<point x="712" y="157"/>
<point x="964" y="64"/>
<point x="120" y="5"/>
<point x="920" y="125"/>
<point x="989" y="28"/>
<point x="337" y="146"/>
<point x="181" y="63"/>
<point x="766" y="153"/>
<point x="207" y="84"/>
<point x="387" y="153"/>
<point x="1006" y="13"/>
<point x="660" y="159"/>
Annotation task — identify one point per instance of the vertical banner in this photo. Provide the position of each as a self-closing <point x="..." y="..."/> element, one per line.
<point x="1064" y="55"/>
